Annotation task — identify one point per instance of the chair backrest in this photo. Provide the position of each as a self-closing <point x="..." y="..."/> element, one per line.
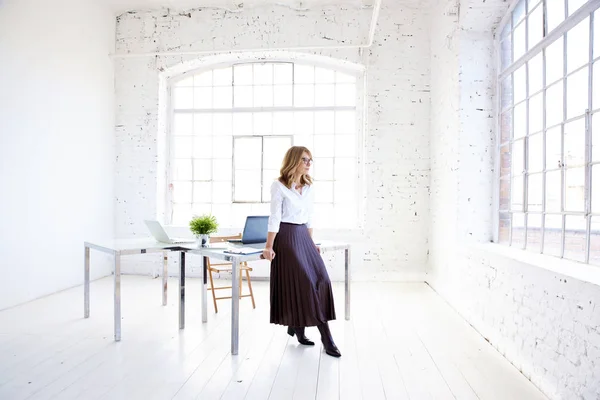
<point x="220" y="239"/>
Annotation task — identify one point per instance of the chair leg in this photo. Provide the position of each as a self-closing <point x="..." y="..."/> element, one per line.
<point x="250" y="287"/>
<point x="212" y="287"/>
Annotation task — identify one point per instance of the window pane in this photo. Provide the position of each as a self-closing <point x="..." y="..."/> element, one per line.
<point x="553" y="235"/>
<point x="182" y="124"/>
<point x="519" y="41"/>
<point x="182" y="192"/>
<point x="518" y="12"/>
<point x="555" y="13"/>
<point x="182" y="170"/>
<point x="575" y="237"/>
<point x="222" y="77"/>
<point x="222" y="97"/>
<point x="323" y="169"/>
<point x="303" y="123"/>
<point x="574" y="5"/>
<point x="518" y="230"/>
<point x="324" y="146"/>
<point x="242" y="74"/>
<point x="324" y="95"/>
<point x="200" y="209"/>
<point x="304" y="73"/>
<point x="324" y="75"/>
<point x="504" y="194"/>
<point x="283" y="123"/>
<point x="534" y="232"/>
<point x="520" y="81"/>
<point x="536" y="113"/>
<point x="595" y="189"/>
<point x="183" y="97"/>
<point x="553" y="191"/>
<point x="506" y="95"/>
<point x="344" y="169"/>
<point x="242" y="123"/>
<point x="248" y="153"/>
<point x="596" y="81"/>
<point x="203" y="97"/>
<point x="575" y="143"/>
<point x="202" y="192"/>
<point x="263" y="96"/>
<point x="187" y="82"/>
<point x="203" y="124"/>
<point x="221" y="169"/>
<point x="553" y="148"/>
<point x="345" y="216"/>
<point x="203" y="147"/>
<point x="182" y="147"/>
<point x="304" y="95"/>
<point x="578" y="45"/>
<point x="182" y="213"/>
<point x="554" y="104"/>
<point x="345" y="94"/>
<point x="324" y="215"/>
<point x="517" y="193"/>
<point x="345" y="122"/>
<point x="263" y="123"/>
<point x="595" y="241"/>
<point x="304" y="140"/>
<point x="223" y="214"/>
<point x="596" y="34"/>
<point x="506" y="52"/>
<point x="283" y="73"/>
<point x="504" y="228"/>
<point x="574" y="189"/>
<point x="505" y="158"/>
<point x="534" y="192"/>
<point x="345" y="146"/>
<point x="263" y="74"/>
<point x="221" y="192"/>
<point x="222" y="123"/>
<point x="536" y="74"/>
<point x="222" y="147"/>
<point x="203" y="78"/>
<point x="283" y="96"/>
<point x="536" y="26"/>
<point x="247" y="186"/>
<point x="274" y="151"/>
<point x="506" y="126"/>
<point x="341" y="77"/>
<point x="202" y="170"/>
<point x="520" y="121"/>
<point x="324" y="122"/>
<point x="554" y="61"/>
<point x="323" y="192"/>
<point x="269" y="176"/>
<point x="536" y="153"/>
<point x="344" y="192"/>
<point x="242" y="96"/>
<point x="577" y="93"/>
<point x="596" y="137"/>
<point x="518" y="151"/>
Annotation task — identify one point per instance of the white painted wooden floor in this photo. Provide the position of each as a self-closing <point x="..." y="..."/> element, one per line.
<point x="403" y="342"/>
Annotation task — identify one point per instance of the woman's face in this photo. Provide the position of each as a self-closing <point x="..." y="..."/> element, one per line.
<point x="305" y="164"/>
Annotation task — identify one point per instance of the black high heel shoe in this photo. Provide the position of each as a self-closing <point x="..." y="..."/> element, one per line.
<point x="327" y="340"/>
<point x="300" y="335"/>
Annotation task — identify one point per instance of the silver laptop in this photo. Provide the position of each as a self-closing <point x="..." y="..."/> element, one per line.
<point x="159" y="233"/>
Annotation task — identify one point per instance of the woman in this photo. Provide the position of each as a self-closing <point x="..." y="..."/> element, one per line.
<point x="301" y="292"/>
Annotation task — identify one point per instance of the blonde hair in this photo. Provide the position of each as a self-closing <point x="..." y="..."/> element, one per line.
<point x="291" y="161"/>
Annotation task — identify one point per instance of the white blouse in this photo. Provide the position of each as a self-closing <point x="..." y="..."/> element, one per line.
<point x="288" y="205"/>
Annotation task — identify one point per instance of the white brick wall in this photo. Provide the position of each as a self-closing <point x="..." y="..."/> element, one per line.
<point x="547" y="325"/>
<point x="396" y="163"/>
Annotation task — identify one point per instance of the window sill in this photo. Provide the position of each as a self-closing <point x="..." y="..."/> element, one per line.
<point x="573" y="269"/>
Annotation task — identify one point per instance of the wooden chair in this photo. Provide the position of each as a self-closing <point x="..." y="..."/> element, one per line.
<point x="226" y="267"/>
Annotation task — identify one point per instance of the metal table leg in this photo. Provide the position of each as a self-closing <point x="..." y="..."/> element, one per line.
<point x="117" y="297"/>
<point x="235" y="305"/>
<point x="347" y="282"/>
<point x="86" y="282"/>
<point x="204" y="279"/>
<point x="181" y="290"/>
<point x="165" y="276"/>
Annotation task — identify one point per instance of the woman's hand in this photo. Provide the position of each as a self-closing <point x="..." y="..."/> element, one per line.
<point x="268" y="254"/>
<point x="318" y="249"/>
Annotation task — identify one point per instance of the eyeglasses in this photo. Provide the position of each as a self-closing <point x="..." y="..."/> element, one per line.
<point x="307" y="161"/>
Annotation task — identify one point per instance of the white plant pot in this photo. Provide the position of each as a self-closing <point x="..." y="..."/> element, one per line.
<point x="202" y="240"/>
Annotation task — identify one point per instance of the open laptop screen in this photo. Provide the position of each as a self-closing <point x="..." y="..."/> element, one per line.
<point x="255" y="230"/>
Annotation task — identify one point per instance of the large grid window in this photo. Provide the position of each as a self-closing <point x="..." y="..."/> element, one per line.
<point x="549" y="128"/>
<point x="232" y="125"/>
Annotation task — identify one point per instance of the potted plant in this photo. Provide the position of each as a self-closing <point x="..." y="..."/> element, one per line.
<point x="202" y="227"/>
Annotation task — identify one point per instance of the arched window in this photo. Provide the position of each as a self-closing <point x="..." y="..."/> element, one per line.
<point x="231" y="125"/>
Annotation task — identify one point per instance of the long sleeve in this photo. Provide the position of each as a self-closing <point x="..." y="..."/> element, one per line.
<point x="310" y="208"/>
<point x="276" y="208"/>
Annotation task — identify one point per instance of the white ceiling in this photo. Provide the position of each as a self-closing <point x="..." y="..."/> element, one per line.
<point x="121" y="6"/>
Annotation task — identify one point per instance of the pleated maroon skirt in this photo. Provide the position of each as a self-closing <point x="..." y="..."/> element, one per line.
<point x="301" y="293"/>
